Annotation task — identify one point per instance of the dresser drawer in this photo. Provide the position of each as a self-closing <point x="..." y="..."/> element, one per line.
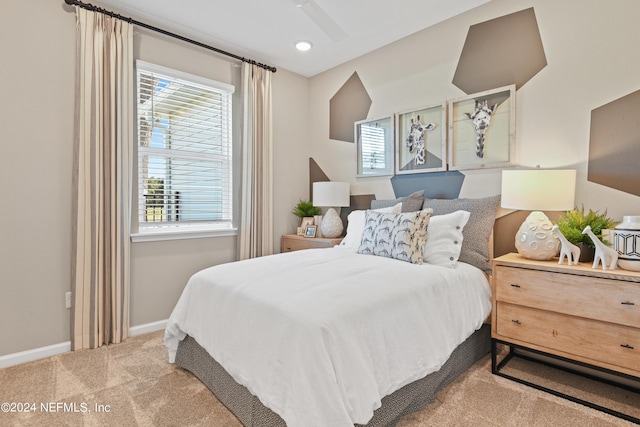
<point x="600" y="341"/>
<point x="590" y="297"/>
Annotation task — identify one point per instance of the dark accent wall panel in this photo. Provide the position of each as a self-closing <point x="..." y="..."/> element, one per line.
<point x="499" y="52"/>
<point x="614" y="144"/>
<point x="350" y="104"/>
<point x="316" y="174"/>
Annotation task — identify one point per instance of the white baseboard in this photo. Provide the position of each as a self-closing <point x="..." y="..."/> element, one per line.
<point x="148" y="327"/>
<point x="51" y="350"/>
<point x="35" y="354"/>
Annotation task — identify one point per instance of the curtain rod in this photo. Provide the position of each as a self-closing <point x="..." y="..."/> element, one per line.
<point x="93" y="8"/>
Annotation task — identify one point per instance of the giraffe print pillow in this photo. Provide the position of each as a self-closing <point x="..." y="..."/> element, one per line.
<point x="400" y="236"/>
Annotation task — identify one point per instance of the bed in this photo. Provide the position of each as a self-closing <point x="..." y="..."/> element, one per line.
<point x="357" y="334"/>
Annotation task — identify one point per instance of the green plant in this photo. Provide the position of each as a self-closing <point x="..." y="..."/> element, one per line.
<point x="574" y="221"/>
<point x="305" y="208"/>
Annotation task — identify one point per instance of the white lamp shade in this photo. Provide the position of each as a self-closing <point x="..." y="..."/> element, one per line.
<point x="539" y="189"/>
<point x="331" y="194"/>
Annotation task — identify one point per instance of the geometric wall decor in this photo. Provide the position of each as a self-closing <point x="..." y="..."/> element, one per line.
<point x="436" y="185"/>
<point x="499" y="52"/>
<point x="316" y="174"/>
<point x="350" y="104"/>
<point x="614" y="144"/>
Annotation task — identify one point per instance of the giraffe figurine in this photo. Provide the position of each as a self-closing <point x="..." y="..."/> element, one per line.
<point x="604" y="254"/>
<point x="567" y="249"/>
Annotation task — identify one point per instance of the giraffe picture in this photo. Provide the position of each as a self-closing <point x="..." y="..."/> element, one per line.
<point x="481" y="130"/>
<point x="421" y="140"/>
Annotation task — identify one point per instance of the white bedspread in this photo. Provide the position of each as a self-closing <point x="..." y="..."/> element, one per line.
<point x="322" y="335"/>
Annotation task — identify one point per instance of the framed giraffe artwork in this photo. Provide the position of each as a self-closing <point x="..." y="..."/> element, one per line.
<point x="482" y="130"/>
<point x="421" y="140"/>
<point x="374" y="146"/>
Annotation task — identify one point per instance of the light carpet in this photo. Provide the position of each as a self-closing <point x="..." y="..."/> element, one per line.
<point x="132" y="384"/>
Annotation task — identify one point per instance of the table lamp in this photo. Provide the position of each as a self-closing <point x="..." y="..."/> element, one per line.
<point x="538" y="190"/>
<point x="332" y="195"/>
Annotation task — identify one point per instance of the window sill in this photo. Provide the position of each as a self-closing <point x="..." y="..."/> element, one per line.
<point x="157" y="235"/>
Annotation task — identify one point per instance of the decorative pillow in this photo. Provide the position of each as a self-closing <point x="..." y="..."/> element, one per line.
<point x="401" y="236"/>
<point x="411" y="203"/>
<point x="355" y="226"/>
<point x="444" y="238"/>
<point x="475" y="245"/>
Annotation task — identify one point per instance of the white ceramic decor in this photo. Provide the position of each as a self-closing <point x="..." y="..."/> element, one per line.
<point x="567" y="249"/>
<point x="626" y="241"/>
<point x="535" y="240"/>
<point x="604" y="254"/>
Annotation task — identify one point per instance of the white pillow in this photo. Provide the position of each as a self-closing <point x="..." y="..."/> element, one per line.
<point x="355" y="226"/>
<point x="444" y="238"/>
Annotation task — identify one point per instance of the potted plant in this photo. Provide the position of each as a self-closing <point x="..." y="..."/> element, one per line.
<point x="304" y="209"/>
<point x="574" y="221"/>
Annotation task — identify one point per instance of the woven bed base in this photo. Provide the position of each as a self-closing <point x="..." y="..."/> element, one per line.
<point x="412" y="397"/>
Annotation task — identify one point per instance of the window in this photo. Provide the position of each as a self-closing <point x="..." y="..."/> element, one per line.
<point x="184" y="152"/>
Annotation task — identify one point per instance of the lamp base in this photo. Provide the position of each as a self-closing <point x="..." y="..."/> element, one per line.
<point x="535" y="240"/>
<point x="331" y="225"/>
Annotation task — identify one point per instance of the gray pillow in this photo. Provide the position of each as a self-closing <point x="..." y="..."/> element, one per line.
<point x="411" y="203"/>
<point x="475" y="242"/>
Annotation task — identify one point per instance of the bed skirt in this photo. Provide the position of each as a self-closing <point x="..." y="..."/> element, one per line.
<point x="410" y="398"/>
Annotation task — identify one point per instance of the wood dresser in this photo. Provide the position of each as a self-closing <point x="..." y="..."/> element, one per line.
<point x="293" y="242"/>
<point x="577" y="313"/>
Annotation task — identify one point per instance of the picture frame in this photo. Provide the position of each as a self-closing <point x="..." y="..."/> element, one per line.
<point x="307" y="221"/>
<point x="482" y="130"/>
<point x="374" y="146"/>
<point x="310" y="231"/>
<point x="421" y="140"/>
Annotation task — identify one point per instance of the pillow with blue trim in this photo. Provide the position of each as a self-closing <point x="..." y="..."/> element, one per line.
<point x="400" y="236"/>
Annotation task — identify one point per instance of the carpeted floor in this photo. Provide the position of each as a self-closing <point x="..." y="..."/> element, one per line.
<point x="132" y="384"/>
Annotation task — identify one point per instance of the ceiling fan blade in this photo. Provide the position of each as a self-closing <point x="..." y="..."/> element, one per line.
<point x="321" y="19"/>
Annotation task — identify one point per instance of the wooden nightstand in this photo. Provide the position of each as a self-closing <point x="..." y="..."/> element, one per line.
<point x="293" y="242"/>
<point x="573" y="313"/>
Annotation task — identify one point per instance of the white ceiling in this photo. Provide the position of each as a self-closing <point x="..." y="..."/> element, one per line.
<point x="266" y="30"/>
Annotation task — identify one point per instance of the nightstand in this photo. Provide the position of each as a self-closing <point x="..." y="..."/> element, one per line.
<point x="293" y="242"/>
<point x="577" y="314"/>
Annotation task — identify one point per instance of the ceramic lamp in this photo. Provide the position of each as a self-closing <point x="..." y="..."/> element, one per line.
<point x="538" y="190"/>
<point x="331" y="195"/>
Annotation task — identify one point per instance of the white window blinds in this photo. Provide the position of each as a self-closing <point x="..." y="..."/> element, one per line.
<point x="184" y="151"/>
<point x="373" y="147"/>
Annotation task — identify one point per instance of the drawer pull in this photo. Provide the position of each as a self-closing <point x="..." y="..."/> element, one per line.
<point x="627" y="303"/>
<point x="516" y="321"/>
<point x="515" y="285"/>
<point x="630" y="347"/>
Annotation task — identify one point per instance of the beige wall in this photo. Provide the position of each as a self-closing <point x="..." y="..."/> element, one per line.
<point x="591" y="50"/>
<point x="37" y="50"/>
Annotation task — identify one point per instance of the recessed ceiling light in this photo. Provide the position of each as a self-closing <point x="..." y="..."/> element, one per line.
<point x="303" y="46"/>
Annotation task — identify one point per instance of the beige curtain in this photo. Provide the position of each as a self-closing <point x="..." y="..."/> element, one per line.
<point x="102" y="165"/>
<point x="256" y="215"/>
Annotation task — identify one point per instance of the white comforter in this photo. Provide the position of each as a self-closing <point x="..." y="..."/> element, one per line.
<point x="322" y="335"/>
